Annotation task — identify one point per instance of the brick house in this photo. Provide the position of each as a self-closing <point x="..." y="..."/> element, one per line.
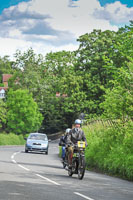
<point x="5" y="78"/>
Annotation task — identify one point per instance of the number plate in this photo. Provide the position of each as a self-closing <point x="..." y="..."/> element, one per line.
<point x="81" y="144"/>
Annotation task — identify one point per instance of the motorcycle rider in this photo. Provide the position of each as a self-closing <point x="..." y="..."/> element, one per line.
<point x="63" y="141"/>
<point x="76" y="134"/>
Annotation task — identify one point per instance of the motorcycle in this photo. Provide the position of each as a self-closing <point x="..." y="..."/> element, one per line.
<point x="78" y="161"/>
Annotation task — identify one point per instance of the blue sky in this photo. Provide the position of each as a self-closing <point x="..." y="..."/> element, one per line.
<point x="8" y="3"/>
<point x="129" y="3"/>
<point x="55" y="25"/>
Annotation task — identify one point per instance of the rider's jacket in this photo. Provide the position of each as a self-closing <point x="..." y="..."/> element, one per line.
<point x="76" y="134"/>
<point x="63" y="140"/>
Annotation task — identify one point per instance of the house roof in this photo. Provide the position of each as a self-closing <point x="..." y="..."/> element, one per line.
<point x="6" y="77"/>
<point x="3" y="88"/>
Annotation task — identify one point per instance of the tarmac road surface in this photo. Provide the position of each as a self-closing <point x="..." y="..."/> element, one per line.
<point x="37" y="176"/>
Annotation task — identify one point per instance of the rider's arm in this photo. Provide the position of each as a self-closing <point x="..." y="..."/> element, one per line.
<point x="84" y="138"/>
<point x="69" y="138"/>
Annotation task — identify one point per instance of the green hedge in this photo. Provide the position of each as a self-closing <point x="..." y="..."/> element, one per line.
<point x="11" y="139"/>
<point x="60" y="151"/>
<point x="110" y="149"/>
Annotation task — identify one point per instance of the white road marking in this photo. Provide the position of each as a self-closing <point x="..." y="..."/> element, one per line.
<point x="47" y="179"/>
<point x="85" y="197"/>
<point x="14" y="161"/>
<point x="24" y="167"/>
<point x="14" y="193"/>
<point x="12" y="157"/>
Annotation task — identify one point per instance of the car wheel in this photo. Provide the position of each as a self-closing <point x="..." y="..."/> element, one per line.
<point x="26" y="151"/>
<point x="47" y="152"/>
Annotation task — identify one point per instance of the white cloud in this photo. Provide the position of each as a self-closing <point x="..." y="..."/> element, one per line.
<point x="115" y="12"/>
<point x="77" y="19"/>
<point x="9" y="46"/>
<point x="54" y="25"/>
<point x="15" y="33"/>
<point x="45" y="37"/>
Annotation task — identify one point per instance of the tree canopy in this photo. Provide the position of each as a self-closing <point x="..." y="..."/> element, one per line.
<point x="94" y="80"/>
<point x="22" y="115"/>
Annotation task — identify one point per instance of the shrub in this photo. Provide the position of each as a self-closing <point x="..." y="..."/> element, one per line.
<point x="110" y="149"/>
<point x="11" y="139"/>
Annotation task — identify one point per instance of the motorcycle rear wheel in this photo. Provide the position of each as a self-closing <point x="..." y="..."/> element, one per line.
<point x="64" y="165"/>
<point x="81" y="168"/>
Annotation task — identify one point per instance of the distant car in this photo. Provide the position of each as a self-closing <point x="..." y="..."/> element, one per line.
<point x="37" y="142"/>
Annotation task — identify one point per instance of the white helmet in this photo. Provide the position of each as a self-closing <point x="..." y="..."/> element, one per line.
<point x="67" y="130"/>
<point x="78" y="121"/>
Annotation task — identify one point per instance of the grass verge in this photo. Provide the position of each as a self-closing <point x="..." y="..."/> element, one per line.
<point x="11" y="139"/>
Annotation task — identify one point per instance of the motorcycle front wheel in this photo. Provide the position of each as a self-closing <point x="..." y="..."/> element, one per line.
<point x="70" y="173"/>
<point x="81" y="168"/>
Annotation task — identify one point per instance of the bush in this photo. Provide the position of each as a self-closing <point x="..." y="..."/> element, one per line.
<point x="60" y="151"/>
<point x="11" y="139"/>
<point x="110" y="149"/>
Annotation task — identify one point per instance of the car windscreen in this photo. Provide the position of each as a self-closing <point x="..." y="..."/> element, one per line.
<point x="38" y="137"/>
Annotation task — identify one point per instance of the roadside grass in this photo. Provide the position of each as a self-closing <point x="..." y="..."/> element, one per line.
<point x="60" y="151"/>
<point x="11" y="139"/>
<point x="110" y="149"/>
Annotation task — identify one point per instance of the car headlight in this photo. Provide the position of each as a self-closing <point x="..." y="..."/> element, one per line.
<point x="44" y="145"/>
<point x="28" y="143"/>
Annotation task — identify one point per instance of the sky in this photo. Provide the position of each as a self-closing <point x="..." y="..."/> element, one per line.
<point x="55" y="25"/>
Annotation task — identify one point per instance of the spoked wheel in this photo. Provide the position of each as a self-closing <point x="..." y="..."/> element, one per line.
<point x="81" y="168"/>
<point x="70" y="173"/>
<point x="64" y="164"/>
<point x="75" y="167"/>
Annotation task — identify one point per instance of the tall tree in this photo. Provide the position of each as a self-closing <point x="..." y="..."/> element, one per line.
<point x="29" y="74"/>
<point x="99" y="57"/>
<point x="3" y="112"/>
<point x="23" y="115"/>
<point x="6" y="67"/>
<point x="119" y="100"/>
<point x="58" y="66"/>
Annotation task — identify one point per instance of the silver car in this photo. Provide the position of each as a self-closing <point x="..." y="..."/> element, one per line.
<point x="37" y="142"/>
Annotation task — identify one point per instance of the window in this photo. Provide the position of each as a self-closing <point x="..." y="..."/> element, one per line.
<point x="2" y="93"/>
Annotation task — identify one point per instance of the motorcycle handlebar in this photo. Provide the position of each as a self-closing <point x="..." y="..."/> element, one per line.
<point x="73" y="145"/>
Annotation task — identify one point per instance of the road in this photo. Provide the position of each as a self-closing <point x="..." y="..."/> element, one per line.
<point x="36" y="176"/>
